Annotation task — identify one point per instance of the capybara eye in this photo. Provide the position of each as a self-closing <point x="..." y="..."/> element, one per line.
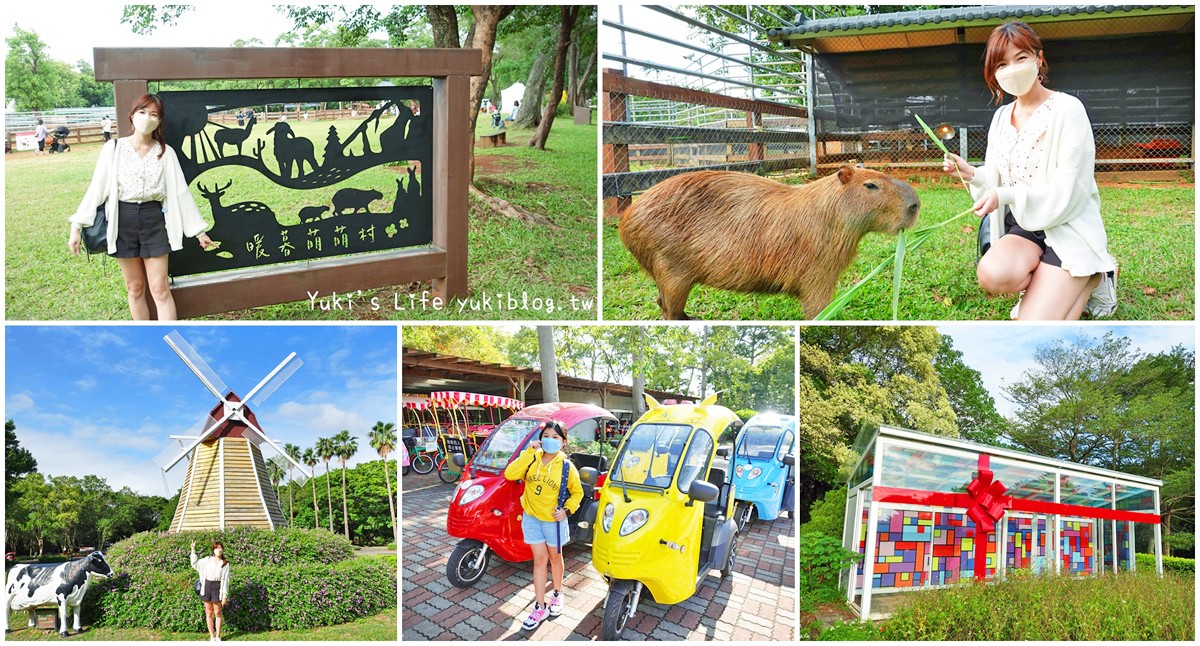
<point x="871" y="185"/>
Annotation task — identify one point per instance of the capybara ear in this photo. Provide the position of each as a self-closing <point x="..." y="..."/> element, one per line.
<point x="845" y="173"/>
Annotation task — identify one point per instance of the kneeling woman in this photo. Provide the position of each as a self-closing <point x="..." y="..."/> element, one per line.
<point x="214" y="582"/>
<point x="1038" y="183"/>
<point x="552" y="492"/>
<point x="150" y="209"/>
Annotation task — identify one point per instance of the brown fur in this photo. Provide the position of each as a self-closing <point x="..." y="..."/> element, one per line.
<point x="747" y="233"/>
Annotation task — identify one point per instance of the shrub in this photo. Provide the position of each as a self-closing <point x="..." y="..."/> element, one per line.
<point x="1129" y="606"/>
<point x="821" y="559"/>
<point x="851" y="632"/>
<point x="1170" y="564"/>
<point x="828" y="515"/>
<point x="286" y="579"/>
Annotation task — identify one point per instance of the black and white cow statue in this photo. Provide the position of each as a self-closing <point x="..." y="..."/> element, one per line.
<point x="40" y="585"/>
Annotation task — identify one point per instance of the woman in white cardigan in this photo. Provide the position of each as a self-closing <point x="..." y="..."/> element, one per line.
<point x="214" y="586"/>
<point x="1038" y="183"/>
<point x="149" y="208"/>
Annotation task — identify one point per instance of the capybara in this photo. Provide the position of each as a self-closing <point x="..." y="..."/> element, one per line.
<point x="746" y="233"/>
<point x="312" y="213"/>
<point x="354" y="200"/>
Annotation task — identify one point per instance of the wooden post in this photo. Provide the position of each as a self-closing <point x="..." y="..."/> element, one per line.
<point x="451" y="145"/>
<point x="125" y="92"/>
<point x="614" y="107"/>
<point x="755" y="152"/>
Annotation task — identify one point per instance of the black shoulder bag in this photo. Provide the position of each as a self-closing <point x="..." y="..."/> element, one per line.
<point x="95" y="237"/>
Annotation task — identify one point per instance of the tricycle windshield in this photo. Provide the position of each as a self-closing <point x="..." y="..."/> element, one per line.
<point x="505" y="440"/>
<point x="651" y="455"/>
<point x="759" y="442"/>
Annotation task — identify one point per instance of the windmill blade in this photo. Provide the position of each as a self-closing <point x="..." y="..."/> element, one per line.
<point x="262" y="437"/>
<point x="286" y="368"/>
<point x="192" y="359"/>
<point x="196" y="442"/>
<point x="178" y="442"/>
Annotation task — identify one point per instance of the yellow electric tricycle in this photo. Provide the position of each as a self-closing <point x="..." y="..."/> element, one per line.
<point x="664" y="517"/>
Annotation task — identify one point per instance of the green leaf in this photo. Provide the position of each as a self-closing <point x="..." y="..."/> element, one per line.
<point x="933" y="137"/>
<point x="898" y="274"/>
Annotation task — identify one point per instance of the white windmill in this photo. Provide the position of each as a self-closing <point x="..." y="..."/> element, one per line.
<point x="226" y="483"/>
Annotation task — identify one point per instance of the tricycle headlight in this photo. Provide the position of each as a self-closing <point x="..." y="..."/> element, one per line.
<point x="606" y="520"/>
<point x="634" y="521"/>
<point x="469" y="496"/>
<point x="754" y="473"/>
<point x="740" y="468"/>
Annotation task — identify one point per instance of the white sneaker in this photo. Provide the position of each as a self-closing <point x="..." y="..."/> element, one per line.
<point x="1103" y="301"/>
<point x="556" y="604"/>
<point x="1016" y="309"/>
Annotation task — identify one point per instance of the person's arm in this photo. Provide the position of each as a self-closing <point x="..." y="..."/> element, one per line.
<point x="575" y="487"/>
<point x="1042" y="206"/>
<point x="97" y="191"/>
<point x="225" y="583"/>
<point x="195" y="560"/>
<point x="517" y="468"/>
<point x="193" y="222"/>
<point x="987" y="174"/>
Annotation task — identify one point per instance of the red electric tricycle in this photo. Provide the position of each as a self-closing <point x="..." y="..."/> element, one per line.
<point x="485" y="510"/>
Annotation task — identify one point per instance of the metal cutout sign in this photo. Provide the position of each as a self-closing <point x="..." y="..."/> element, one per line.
<point x="319" y="214"/>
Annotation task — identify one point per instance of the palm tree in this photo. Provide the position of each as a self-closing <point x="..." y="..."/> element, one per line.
<point x="347" y="446"/>
<point x="293" y="452"/>
<point x="326" y="449"/>
<point x="275" y="473"/>
<point x="382" y="439"/>
<point x="310" y="459"/>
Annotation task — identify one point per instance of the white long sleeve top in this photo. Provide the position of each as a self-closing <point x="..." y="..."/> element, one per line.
<point x="1062" y="199"/>
<point x="179" y="208"/>
<point x="211" y="569"/>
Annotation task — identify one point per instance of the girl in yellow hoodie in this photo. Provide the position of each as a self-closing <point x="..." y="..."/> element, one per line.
<point x="543" y="465"/>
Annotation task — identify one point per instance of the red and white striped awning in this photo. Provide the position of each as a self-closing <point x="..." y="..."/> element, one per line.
<point x="415" y="405"/>
<point x="456" y="398"/>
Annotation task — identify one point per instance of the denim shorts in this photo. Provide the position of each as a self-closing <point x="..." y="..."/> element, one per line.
<point x="540" y="531"/>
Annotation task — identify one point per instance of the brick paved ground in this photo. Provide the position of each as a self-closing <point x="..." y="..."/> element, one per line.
<point x="757" y="603"/>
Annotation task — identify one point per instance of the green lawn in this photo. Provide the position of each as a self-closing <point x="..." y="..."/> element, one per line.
<point x="381" y="627"/>
<point x="1151" y="231"/>
<point x="507" y="257"/>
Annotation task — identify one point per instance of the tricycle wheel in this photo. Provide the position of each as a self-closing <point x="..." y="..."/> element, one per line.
<point x="618" y="609"/>
<point x="465" y="566"/>
<point x="404" y="470"/>
<point x="727" y="569"/>
<point x="447" y="473"/>
<point x="422" y="464"/>
<point x="746" y="516"/>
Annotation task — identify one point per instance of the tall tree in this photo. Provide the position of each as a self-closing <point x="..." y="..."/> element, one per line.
<point x="569" y="14"/>
<point x="383" y="439"/>
<point x="974" y="407"/>
<point x="31" y="78"/>
<point x="346" y="446"/>
<point x="326" y="449"/>
<point x="549" y="365"/>
<point x="310" y="458"/>
<point x="293" y="452"/>
<point x="18" y="461"/>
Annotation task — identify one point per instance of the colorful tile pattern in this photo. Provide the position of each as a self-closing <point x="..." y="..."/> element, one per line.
<point x="1078" y="547"/>
<point x="1021" y="553"/>
<point x="902" y="549"/>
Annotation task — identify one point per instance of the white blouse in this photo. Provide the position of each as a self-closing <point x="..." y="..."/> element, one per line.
<point x="139" y="179"/>
<point x="1020" y="150"/>
<point x="210" y="569"/>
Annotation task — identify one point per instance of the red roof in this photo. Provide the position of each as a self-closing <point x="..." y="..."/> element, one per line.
<point x="231" y="427"/>
<point x="568" y="413"/>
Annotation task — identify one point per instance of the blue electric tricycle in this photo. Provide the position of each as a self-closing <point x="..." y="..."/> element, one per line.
<point x="764" y="475"/>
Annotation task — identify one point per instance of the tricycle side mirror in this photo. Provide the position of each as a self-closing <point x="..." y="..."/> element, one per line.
<point x="723" y="451"/>
<point x="615" y="442"/>
<point x="789" y="460"/>
<point x="459" y="460"/>
<point x="589" y="476"/>
<point x="703" y="491"/>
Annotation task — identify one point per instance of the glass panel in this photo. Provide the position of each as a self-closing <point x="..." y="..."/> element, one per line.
<point x="1135" y="499"/>
<point x="696" y="460"/>
<point x="1124" y="546"/>
<point x="1086" y="492"/>
<point x="785" y="446"/>
<point x="650" y="454"/>
<point x="925" y="470"/>
<point x="1078" y="547"/>
<point x="1026" y="547"/>
<point x="902" y="549"/>
<point x="758" y="442"/>
<point x="1025" y="482"/>
<point x="502" y="443"/>
<point x="866" y="468"/>
<point x="954" y="549"/>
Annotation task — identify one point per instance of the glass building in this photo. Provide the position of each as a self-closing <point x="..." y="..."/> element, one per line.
<point x="927" y="511"/>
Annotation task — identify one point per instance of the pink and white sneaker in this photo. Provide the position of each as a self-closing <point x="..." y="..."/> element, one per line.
<point x="536" y="617"/>
<point x="556" y="603"/>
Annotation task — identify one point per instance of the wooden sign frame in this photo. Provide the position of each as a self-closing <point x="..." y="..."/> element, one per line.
<point x="444" y="262"/>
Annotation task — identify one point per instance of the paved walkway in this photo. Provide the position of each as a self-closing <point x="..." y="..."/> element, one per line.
<point x="757" y="603"/>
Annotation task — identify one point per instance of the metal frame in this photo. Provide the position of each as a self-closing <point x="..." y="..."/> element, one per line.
<point x="886" y="436"/>
<point x="444" y="262"/>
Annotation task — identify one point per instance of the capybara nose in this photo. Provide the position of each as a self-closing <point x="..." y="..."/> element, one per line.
<point x="914" y="209"/>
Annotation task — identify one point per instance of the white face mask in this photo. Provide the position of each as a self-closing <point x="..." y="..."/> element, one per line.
<point x="144" y="123"/>
<point x="1017" y="79"/>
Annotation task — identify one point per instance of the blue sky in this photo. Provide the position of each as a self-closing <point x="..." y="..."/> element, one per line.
<point x="1002" y="352"/>
<point x="104" y="399"/>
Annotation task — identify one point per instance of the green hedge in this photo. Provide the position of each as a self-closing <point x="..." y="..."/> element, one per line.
<point x="1170" y="563"/>
<point x="284" y="580"/>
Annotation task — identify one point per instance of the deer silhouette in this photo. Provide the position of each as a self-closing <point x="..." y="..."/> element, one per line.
<point x="240" y="209"/>
<point x="292" y="150"/>
<point x="233" y="136"/>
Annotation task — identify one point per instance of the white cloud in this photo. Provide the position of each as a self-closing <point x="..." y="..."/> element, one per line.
<point x="86" y="383"/>
<point x="17" y="403"/>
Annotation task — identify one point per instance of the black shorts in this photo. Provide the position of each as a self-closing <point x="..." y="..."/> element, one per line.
<point x="212" y="592"/>
<point x="141" y="231"/>
<point x="1036" y="237"/>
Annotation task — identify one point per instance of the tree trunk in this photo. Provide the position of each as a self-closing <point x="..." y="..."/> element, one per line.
<point x="483" y="38"/>
<point x="639" y="376"/>
<point x="583" y="79"/>
<point x="387" y="479"/>
<point x="345" y="513"/>
<point x="572" y="73"/>
<point x="530" y="113"/>
<point x="443" y="20"/>
<point x="316" y="510"/>
<point x="545" y="335"/>
<point x="291" y="502"/>
<point x="569" y="14"/>
<point x="329" y="495"/>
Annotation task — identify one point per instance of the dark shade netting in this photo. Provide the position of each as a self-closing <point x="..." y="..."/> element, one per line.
<point x="1148" y="79"/>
